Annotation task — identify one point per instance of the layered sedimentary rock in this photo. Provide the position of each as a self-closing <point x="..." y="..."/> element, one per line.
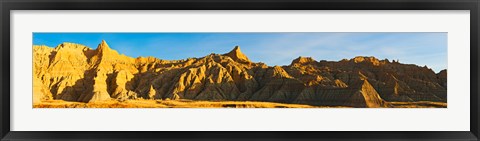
<point x="74" y="72"/>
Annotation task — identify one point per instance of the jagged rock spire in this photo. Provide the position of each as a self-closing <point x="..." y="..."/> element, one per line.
<point x="103" y="47"/>
<point x="237" y="55"/>
<point x="105" y="53"/>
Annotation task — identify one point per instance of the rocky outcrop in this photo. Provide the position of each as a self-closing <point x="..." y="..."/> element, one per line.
<point x="303" y="60"/>
<point x="442" y="78"/>
<point x="237" y="55"/>
<point x="74" y="72"/>
<point x="40" y="91"/>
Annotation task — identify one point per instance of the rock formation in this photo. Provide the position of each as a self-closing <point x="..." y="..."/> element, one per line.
<point x="237" y="55"/>
<point x="74" y="72"/>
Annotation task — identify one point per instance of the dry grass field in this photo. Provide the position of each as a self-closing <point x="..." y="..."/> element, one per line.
<point x="419" y="104"/>
<point x="207" y="104"/>
<point x="166" y="104"/>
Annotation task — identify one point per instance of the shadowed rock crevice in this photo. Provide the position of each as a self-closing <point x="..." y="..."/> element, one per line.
<point x="79" y="90"/>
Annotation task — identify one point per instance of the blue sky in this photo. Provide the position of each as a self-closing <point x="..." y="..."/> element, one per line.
<point x="271" y="48"/>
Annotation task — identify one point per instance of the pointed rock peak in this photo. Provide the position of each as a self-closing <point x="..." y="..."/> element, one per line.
<point x="236" y="48"/>
<point x="103" y="46"/>
<point x="237" y="55"/>
<point x="303" y="60"/>
<point x="104" y="49"/>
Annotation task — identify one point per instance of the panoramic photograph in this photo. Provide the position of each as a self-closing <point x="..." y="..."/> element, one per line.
<point x="240" y="70"/>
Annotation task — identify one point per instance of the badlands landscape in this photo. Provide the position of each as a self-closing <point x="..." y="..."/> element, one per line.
<point x="72" y="75"/>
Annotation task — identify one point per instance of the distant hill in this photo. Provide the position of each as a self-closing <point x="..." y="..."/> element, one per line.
<point x="74" y="72"/>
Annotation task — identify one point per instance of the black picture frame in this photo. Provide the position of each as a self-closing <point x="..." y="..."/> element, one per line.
<point x="7" y="5"/>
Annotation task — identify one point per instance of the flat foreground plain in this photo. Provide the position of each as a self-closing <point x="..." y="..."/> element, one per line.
<point x="209" y="104"/>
